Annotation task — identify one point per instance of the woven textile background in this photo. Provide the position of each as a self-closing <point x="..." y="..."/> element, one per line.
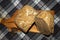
<point x="8" y="7"/>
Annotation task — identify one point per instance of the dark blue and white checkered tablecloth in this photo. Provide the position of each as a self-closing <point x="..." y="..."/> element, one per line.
<point x="8" y="7"/>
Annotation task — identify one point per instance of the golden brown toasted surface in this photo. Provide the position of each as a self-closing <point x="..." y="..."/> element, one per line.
<point x="34" y="29"/>
<point x="25" y="18"/>
<point x="45" y="22"/>
<point x="0" y="20"/>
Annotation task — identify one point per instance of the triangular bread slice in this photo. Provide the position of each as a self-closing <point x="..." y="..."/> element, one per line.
<point x="25" y="17"/>
<point x="45" y="22"/>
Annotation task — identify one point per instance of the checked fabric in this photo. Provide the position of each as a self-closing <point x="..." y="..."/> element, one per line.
<point x="8" y="7"/>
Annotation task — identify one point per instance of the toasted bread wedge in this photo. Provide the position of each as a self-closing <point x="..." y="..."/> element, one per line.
<point x="45" y="22"/>
<point x="25" y="18"/>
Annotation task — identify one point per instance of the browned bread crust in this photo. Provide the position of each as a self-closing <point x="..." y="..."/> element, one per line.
<point x="45" y="22"/>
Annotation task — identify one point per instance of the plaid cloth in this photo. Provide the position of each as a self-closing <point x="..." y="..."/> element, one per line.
<point x="8" y="7"/>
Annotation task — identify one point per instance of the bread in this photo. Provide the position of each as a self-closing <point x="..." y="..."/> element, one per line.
<point x="25" y="17"/>
<point x="0" y="20"/>
<point x="45" y="22"/>
<point x="34" y="29"/>
<point x="9" y="23"/>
